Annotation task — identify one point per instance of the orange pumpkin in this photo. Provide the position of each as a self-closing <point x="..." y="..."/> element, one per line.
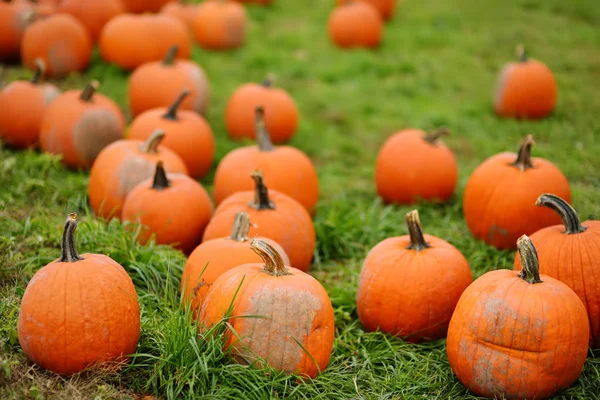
<point x="144" y="6"/>
<point x="14" y="18"/>
<point x="281" y="117"/>
<point x="413" y="165"/>
<point x="499" y="199"/>
<point x="214" y="257"/>
<point x="22" y="104"/>
<point x="384" y="7"/>
<point x="78" y="311"/>
<point x="569" y="253"/>
<point x="355" y="24"/>
<point x="93" y="14"/>
<point x="156" y="84"/>
<point x="391" y="288"/>
<point x="518" y="335"/>
<point x="79" y="124"/>
<point x="124" y="164"/>
<point x="220" y="25"/>
<point x="124" y="39"/>
<point x="297" y="334"/>
<point x="189" y="136"/>
<point x="184" y="12"/>
<point x="261" y="2"/>
<point x="526" y="89"/>
<point x="275" y="215"/>
<point x="61" y="41"/>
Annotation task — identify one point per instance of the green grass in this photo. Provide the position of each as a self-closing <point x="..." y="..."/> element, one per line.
<point x="437" y="67"/>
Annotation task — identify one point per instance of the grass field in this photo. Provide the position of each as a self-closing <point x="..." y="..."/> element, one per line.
<point x="437" y="67"/>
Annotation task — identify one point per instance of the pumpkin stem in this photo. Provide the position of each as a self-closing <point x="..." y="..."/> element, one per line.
<point x="523" y="161"/>
<point x="261" y="193"/>
<point x="521" y="53"/>
<point x="172" y="111"/>
<point x="68" y="251"/>
<point x="88" y="92"/>
<point x="150" y="145"/>
<point x="529" y="260"/>
<point x="434" y="136"/>
<point x="417" y="241"/>
<point x="40" y="71"/>
<point x="241" y="227"/>
<point x="161" y="182"/>
<point x="263" y="139"/>
<point x="273" y="262"/>
<point x="268" y="81"/>
<point x="170" y="56"/>
<point x="566" y="212"/>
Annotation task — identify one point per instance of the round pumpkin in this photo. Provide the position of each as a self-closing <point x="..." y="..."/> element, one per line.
<point x="79" y="124"/>
<point x="184" y="12"/>
<point x="124" y="164"/>
<point x="397" y="280"/>
<point x="124" y="41"/>
<point x="93" y="14"/>
<point x="144" y="6"/>
<point x="61" y="41"/>
<point x="355" y="24"/>
<point x="220" y="25"/>
<point x="22" y="105"/>
<point x="275" y="216"/>
<point x="297" y="334"/>
<point x="570" y="253"/>
<point x="526" y="89"/>
<point x="213" y="258"/>
<point x="156" y="84"/>
<point x="14" y="19"/>
<point x="518" y="335"/>
<point x="499" y="199"/>
<point x="78" y="311"/>
<point x="281" y="115"/>
<point x="413" y="165"/>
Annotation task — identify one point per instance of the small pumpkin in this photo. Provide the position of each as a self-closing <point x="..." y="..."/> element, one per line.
<point x="124" y="164"/>
<point x="157" y="83"/>
<point x="144" y="6"/>
<point x="220" y="25"/>
<point x="281" y="117"/>
<point x="275" y="215"/>
<point x="500" y="195"/>
<point x="526" y="89"/>
<point x="569" y="253"/>
<point x="213" y="258"/>
<point x="78" y="311"/>
<point x="185" y="12"/>
<point x="79" y="124"/>
<point x="413" y="165"/>
<point x="297" y="334"/>
<point x="14" y="19"/>
<point x="355" y="24"/>
<point x="124" y="39"/>
<point x="61" y="41"/>
<point x="518" y="335"/>
<point x="22" y="105"/>
<point x="93" y="14"/>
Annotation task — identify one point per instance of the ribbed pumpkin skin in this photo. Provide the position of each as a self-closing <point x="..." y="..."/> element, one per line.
<point x="355" y="24"/>
<point x="510" y="337"/>
<point x="220" y="25"/>
<point x="74" y="315"/>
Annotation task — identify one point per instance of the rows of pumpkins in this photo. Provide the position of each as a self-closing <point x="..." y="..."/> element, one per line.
<point x="250" y="255"/>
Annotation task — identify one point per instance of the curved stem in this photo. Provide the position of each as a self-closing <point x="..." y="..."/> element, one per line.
<point x="273" y="262"/>
<point x="150" y="145"/>
<point x="261" y="193"/>
<point x="68" y="251"/>
<point x="523" y="161"/>
<point x="263" y="139"/>
<point x="172" y="111"/>
<point x="160" y="182"/>
<point x="40" y="71"/>
<point x="170" y="56"/>
<point x="417" y="240"/>
<point x="521" y="53"/>
<point x="88" y="92"/>
<point x="241" y="227"/>
<point x="567" y="213"/>
<point x="529" y="260"/>
<point x="434" y="136"/>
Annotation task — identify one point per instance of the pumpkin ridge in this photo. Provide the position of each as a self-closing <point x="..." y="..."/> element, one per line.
<point x="593" y="329"/>
<point x="514" y="332"/>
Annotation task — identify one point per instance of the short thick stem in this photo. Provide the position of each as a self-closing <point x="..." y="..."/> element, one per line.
<point x="434" y="136"/>
<point x="569" y="216"/>
<point x="417" y="240"/>
<point x="172" y="111"/>
<point x="263" y="139"/>
<point x="241" y="227"/>
<point x="523" y="161"/>
<point x="68" y="250"/>
<point x="170" y="56"/>
<point x="160" y="182"/>
<point x="150" y="145"/>
<point x="273" y="262"/>
<point x="40" y="71"/>
<point x="521" y="53"/>
<point x="88" y="93"/>
<point x="261" y="193"/>
<point x="529" y="260"/>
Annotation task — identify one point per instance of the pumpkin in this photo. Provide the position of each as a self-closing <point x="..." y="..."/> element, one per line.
<point x="214" y="257"/>
<point x="518" y="335"/>
<point x="413" y="165"/>
<point x="220" y="25"/>
<point x="500" y="194"/>
<point x="144" y="6"/>
<point x="288" y="320"/>
<point x="385" y="8"/>
<point x="397" y="280"/>
<point x="281" y="116"/>
<point x="79" y="124"/>
<point x="189" y="136"/>
<point x="157" y="83"/>
<point x="14" y="18"/>
<point x="124" y="164"/>
<point x="275" y="216"/>
<point x="184" y="12"/>
<point x="22" y="104"/>
<point x="260" y="2"/>
<point x="174" y="210"/>
<point x="93" y="14"/>
<point x="61" y="41"/>
<point x="568" y="252"/>
<point x="78" y="311"/>
<point x="355" y="24"/>
<point x="526" y="89"/>
<point x="124" y="39"/>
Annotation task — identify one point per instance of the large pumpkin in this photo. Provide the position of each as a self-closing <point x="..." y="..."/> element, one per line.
<point x="280" y="314"/>
<point x="93" y="14"/>
<point x="220" y="25"/>
<point x="518" y="335"/>
<point x="78" y="311"/>
<point x="355" y="24"/>
<point x="385" y="7"/>
<point x="14" y="18"/>
<point x="499" y="199"/>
